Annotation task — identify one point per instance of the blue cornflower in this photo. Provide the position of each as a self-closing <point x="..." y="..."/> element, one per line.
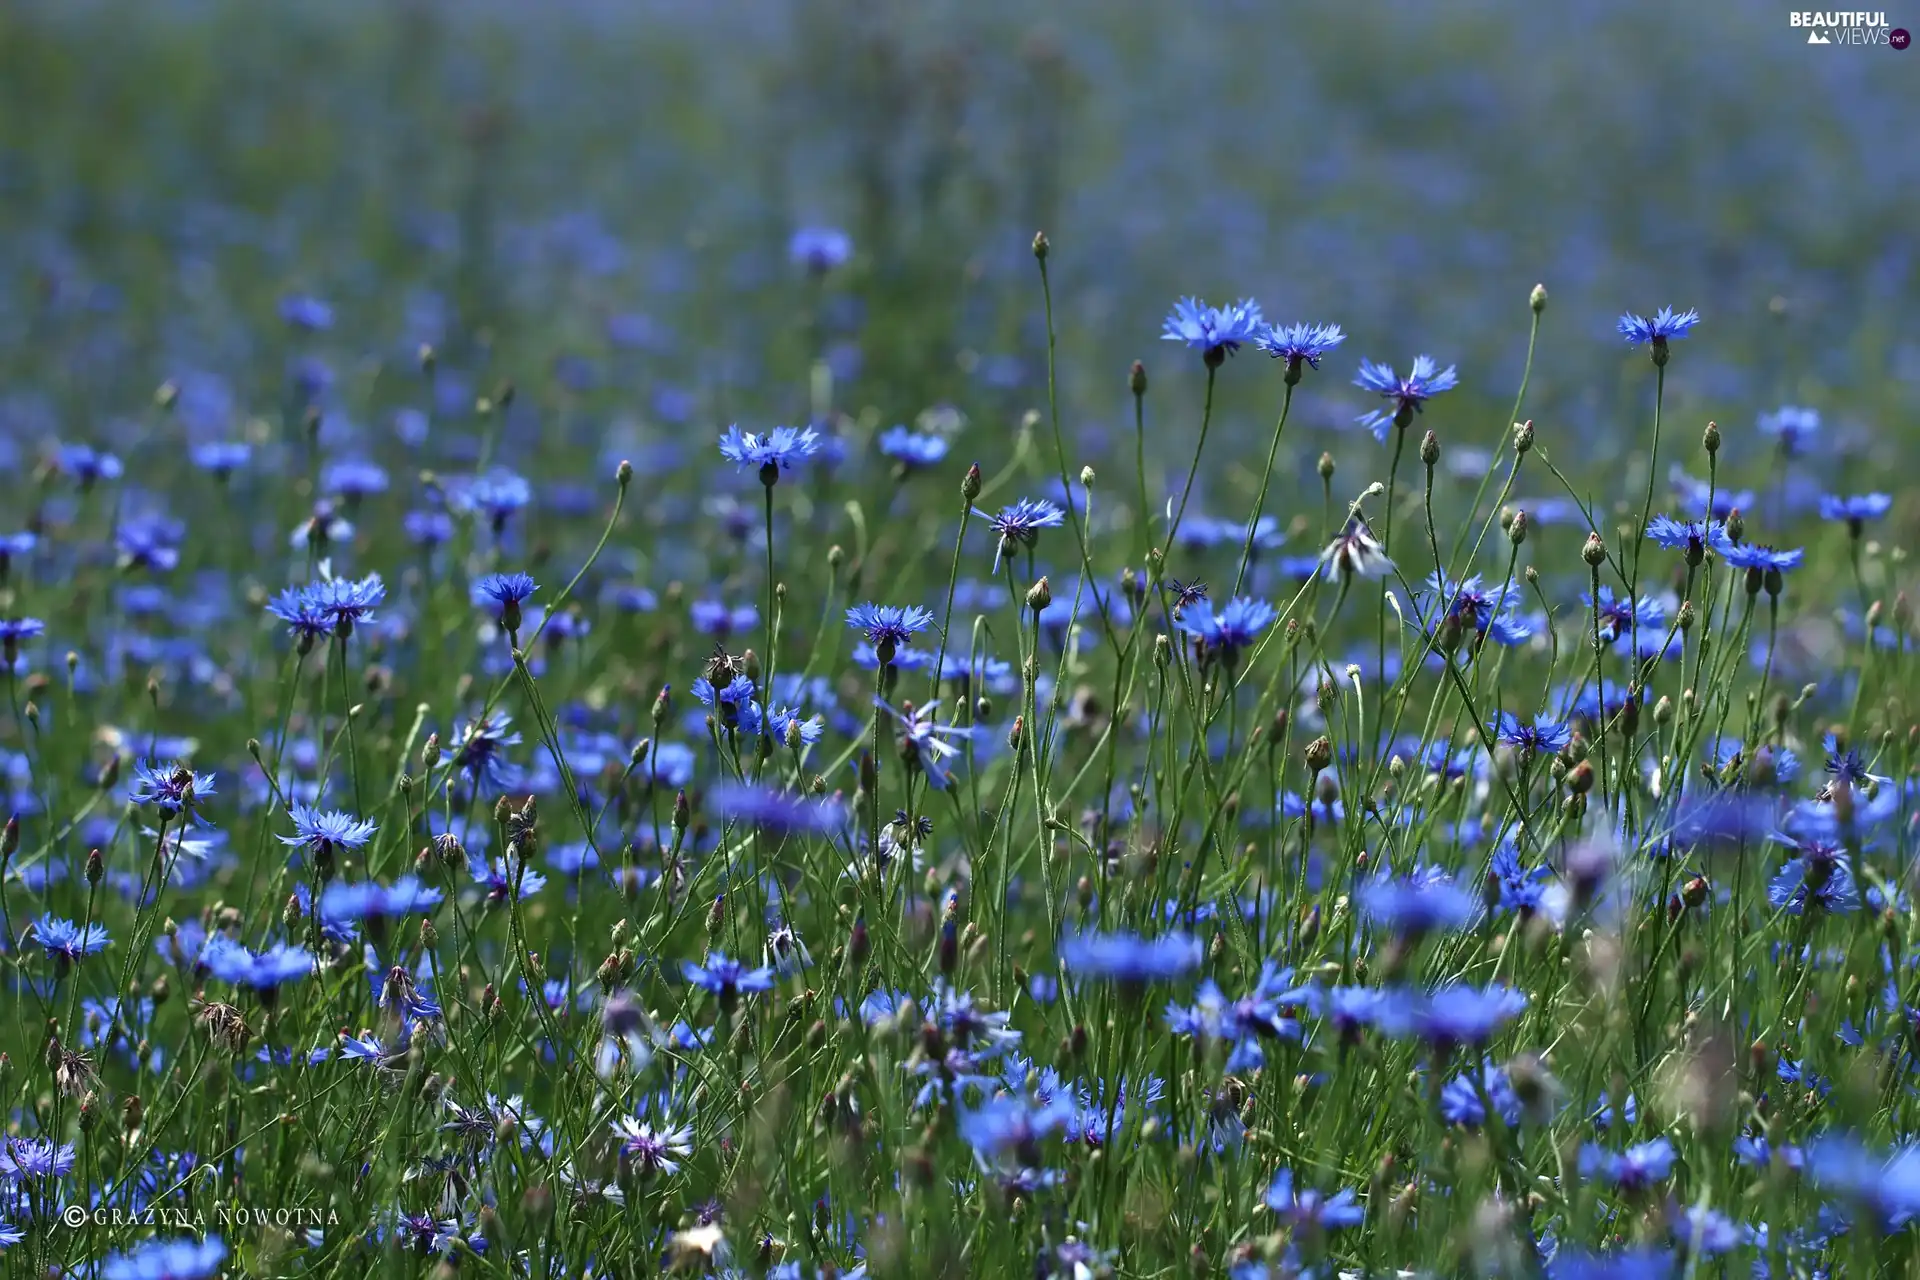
<point x="497" y="495"/>
<point x="13" y="631"/>
<point x="1304" y="1209"/>
<point x="1520" y="888"/>
<point x="924" y="741"/>
<point x="733" y="700"/>
<point x="1225" y="634"/>
<point x="820" y="249"/>
<point x="1456" y="1015"/>
<point x="322" y="832"/>
<point x="502" y="594"/>
<point x="1619" y="616"/>
<point x="221" y="457"/>
<point x="354" y="479"/>
<point x="1020" y="524"/>
<point x="773" y="452"/>
<point x="1766" y="567"/>
<point x="1756" y="555"/>
<point x="717" y="618"/>
<point x="1622" y="1264"/>
<point x="1468" y="602"/>
<point x="1844" y="764"/>
<point x="342" y="901"/>
<point x="149" y="542"/>
<point x="787" y="725"/>
<point x="1130" y="959"/>
<point x="1009" y="1128"/>
<point x="1542" y="737"/>
<point x="22" y="1158"/>
<point x="1658" y="331"/>
<point x="1820" y="877"/>
<point x="65" y="942"/>
<point x="171" y="788"/>
<point x="1703" y="1231"/>
<point x="1461" y="1102"/>
<point x="1408" y="395"/>
<point x="1716" y="501"/>
<point x="1216" y="332"/>
<point x="1635" y="1169"/>
<point x="264" y="972"/>
<point x="911" y="449"/>
<point x="307" y="622"/>
<point x="348" y="601"/>
<point x="1418" y="904"/>
<point x="304" y="311"/>
<point x="727" y="978"/>
<point x="501" y="883"/>
<point x="431" y="527"/>
<point x="480" y="750"/>
<point x="87" y="465"/>
<point x="888" y="626"/>
<point x="1793" y="426"/>
<point x="1888" y="1185"/>
<point x="778" y="812"/>
<point x="648" y="1148"/>
<point x="1300" y="344"/>
<point x="1854" y="510"/>
<point x="1695" y="537"/>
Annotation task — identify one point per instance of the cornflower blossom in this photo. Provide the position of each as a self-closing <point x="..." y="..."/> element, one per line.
<point x="1406" y="396"/>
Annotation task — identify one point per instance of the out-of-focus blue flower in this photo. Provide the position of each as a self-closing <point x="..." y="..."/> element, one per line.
<point x="1128" y="958"/>
<point x="911" y="449"/>
<point x="1306" y="1210"/>
<point x="1417" y="904"/>
<point x="1635" y="1169"/>
<point x="1856" y="509"/>
<point x="779" y="812"/>
<point x="820" y="249"/>
<point x="1793" y="427"/>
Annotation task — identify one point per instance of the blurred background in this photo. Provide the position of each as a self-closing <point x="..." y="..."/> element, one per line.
<point x="594" y="199"/>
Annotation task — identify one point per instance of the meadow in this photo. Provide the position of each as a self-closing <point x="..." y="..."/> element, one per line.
<point x="818" y="640"/>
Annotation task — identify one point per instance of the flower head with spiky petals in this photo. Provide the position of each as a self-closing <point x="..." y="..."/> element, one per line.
<point x="171" y="788"/>
<point x="1019" y="525"/>
<point x="888" y="626"/>
<point x="1300" y="345"/>
<point x="1406" y="396"/>
<point x="1664" y="327"/>
<point x="772" y="452"/>
<point x="1215" y="332"/>
<point x="323" y="832"/>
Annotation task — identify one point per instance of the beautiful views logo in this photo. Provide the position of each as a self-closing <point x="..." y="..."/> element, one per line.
<point x="1840" y="27"/>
